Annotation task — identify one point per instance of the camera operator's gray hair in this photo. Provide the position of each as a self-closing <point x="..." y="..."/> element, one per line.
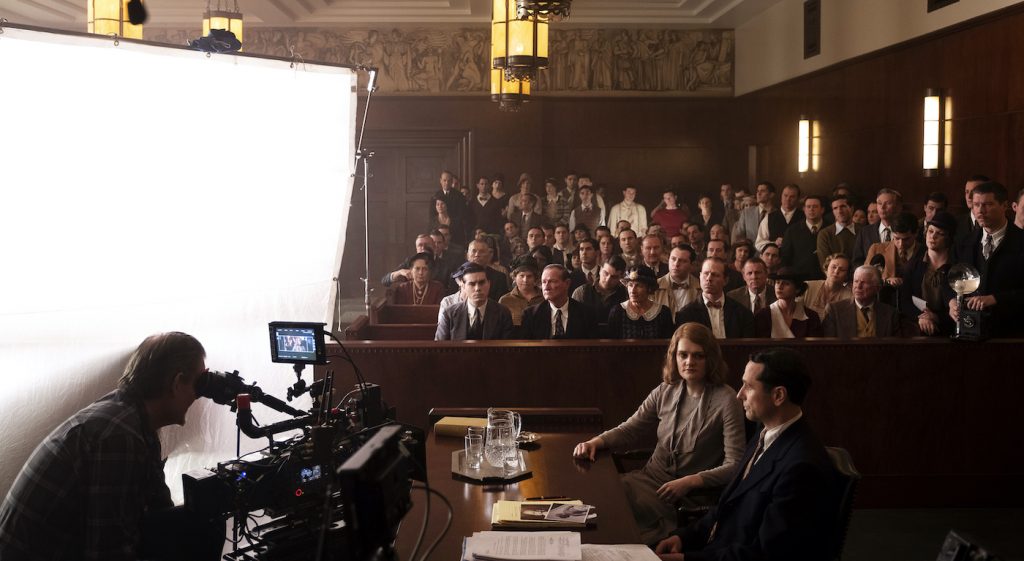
<point x="153" y="365"/>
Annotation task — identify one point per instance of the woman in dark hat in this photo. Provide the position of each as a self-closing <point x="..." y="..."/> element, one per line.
<point x="639" y="317"/>
<point x="925" y="277"/>
<point x="786" y="318"/>
<point x="420" y="290"/>
<point x="525" y="291"/>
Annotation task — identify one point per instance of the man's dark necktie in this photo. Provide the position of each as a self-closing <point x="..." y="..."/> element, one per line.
<point x="559" y="328"/>
<point x="746" y="471"/>
<point x="476" y="328"/>
<point x="886" y="237"/>
<point x="757" y="454"/>
<point x="758" y="304"/>
<point x="866" y="310"/>
<point x="590" y="278"/>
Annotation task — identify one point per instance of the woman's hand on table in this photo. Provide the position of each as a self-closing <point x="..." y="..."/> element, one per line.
<point x="588" y="450"/>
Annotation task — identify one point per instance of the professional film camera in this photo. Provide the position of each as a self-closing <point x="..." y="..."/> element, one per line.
<point x="337" y="490"/>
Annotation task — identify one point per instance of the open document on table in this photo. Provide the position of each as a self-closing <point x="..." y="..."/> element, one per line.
<point x="522" y="546"/>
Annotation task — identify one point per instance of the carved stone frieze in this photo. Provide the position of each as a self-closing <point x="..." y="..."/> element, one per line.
<point x="437" y="61"/>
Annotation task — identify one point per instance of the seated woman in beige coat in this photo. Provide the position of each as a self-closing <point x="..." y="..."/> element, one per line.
<point x="699" y="426"/>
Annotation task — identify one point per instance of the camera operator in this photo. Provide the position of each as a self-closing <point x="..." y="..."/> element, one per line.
<point x="94" y="488"/>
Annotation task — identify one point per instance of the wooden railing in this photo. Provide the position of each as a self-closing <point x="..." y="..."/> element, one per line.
<point x="929" y="422"/>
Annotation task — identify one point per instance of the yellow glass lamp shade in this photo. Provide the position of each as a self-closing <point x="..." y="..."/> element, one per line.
<point x="110" y="17"/>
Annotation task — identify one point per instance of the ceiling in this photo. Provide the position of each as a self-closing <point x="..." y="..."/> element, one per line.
<point x="727" y="14"/>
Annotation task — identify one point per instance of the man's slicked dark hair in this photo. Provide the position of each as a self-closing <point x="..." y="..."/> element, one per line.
<point x="784" y="367"/>
<point x="617" y="263"/>
<point x="157" y="360"/>
<point x="992" y="187"/>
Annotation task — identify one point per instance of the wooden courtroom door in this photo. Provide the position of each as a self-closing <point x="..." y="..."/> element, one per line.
<point x="405" y="169"/>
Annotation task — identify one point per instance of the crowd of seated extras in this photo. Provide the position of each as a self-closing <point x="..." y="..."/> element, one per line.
<point x="772" y="263"/>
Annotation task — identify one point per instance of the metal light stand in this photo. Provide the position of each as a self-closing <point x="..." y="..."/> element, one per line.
<point x="364" y="157"/>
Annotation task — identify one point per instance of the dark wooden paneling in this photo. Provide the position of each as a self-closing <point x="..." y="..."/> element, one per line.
<point x="405" y="170"/>
<point x="650" y="142"/>
<point x="871" y="110"/>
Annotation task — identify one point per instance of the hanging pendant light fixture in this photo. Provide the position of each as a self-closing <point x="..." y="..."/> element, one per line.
<point x="508" y="93"/>
<point x="519" y="47"/>
<point x="220" y="18"/>
<point x="551" y="9"/>
<point x="110" y="17"/>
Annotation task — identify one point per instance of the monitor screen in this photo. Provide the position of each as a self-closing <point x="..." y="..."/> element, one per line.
<point x="297" y="343"/>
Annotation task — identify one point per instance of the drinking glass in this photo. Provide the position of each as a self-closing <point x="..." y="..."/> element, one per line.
<point x="474" y="450"/>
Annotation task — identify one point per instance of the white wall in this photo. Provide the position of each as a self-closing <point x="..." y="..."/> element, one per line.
<point x="769" y="48"/>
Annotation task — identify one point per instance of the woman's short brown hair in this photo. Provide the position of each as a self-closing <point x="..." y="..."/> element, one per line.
<point x="715" y="368"/>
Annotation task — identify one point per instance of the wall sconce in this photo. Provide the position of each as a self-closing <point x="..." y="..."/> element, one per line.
<point x="808" y="145"/>
<point x="938" y="133"/>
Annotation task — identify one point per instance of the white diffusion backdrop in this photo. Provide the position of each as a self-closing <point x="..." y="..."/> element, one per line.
<point x="150" y="189"/>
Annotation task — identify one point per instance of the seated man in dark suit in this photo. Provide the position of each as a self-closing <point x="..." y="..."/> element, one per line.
<point x="781" y="503"/>
<point x="720" y="249"/>
<point x="724" y="316"/>
<point x="864" y="315"/>
<point x="997" y="252"/>
<point x="605" y="293"/>
<point x="558" y="317"/>
<point x="758" y="293"/>
<point x="476" y="317"/>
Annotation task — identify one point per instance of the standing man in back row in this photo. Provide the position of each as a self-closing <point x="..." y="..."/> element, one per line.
<point x="996" y="250"/>
<point x="781" y="503"/>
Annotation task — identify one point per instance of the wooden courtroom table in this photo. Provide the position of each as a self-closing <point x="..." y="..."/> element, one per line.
<point x="554" y="472"/>
<point x="928" y="422"/>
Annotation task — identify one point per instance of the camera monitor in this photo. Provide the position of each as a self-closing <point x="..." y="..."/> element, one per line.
<point x="297" y="342"/>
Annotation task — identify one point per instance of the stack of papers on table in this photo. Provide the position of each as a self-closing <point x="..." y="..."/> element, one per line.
<point x="522" y="546"/>
<point x="541" y="514"/>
